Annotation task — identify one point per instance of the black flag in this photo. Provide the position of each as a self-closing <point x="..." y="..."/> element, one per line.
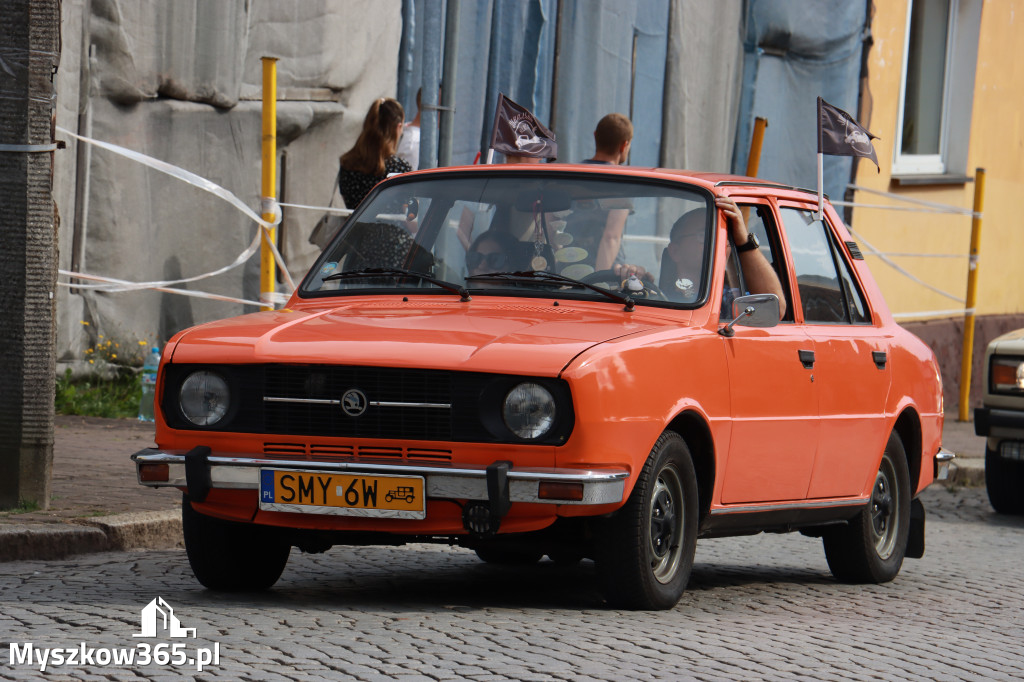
<point x="840" y="135"/>
<point x="517" y="132"/>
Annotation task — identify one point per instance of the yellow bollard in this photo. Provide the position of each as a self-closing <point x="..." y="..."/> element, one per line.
<point x="972" y="294"/>
<point x="754" y="160"/>
<point x="268" y="185"/>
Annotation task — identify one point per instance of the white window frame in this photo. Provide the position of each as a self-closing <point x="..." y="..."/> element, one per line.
<point x="962" y="38"/>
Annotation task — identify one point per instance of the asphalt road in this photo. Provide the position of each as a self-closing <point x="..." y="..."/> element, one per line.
<point x="759" y="607"/>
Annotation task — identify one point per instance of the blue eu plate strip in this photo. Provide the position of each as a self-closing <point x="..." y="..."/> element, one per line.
<point x="267" y="485"/>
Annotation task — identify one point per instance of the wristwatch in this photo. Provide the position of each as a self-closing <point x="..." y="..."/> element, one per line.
<point x="749" y="245"/>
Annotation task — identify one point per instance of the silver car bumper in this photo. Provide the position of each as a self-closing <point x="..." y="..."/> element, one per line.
<point x="943" y="458"/>
<point x="464" y="482"/>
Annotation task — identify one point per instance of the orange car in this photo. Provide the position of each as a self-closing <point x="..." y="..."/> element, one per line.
<point x="558" y="360"/>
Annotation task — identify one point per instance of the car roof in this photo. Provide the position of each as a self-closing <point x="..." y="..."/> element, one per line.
<point x="708" y="179"/>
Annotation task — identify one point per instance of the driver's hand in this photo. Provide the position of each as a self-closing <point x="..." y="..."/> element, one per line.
<point x="624" y="270"/>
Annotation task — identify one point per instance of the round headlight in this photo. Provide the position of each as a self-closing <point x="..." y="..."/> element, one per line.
<point x="204" y="398"/>
<point x="529" y="410"/>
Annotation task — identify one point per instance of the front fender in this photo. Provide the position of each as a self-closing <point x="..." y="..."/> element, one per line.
<point x="627" y="392"/>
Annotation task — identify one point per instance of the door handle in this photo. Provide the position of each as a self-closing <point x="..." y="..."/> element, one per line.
<point x="806" y="358"/>
<point x="880" y="358"/>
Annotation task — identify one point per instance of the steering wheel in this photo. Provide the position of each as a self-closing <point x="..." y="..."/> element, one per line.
<point x="601" y="277"/>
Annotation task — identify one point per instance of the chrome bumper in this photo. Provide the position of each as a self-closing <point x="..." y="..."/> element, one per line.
<point x="943" y="458"/>
<point x="465" y="482"/>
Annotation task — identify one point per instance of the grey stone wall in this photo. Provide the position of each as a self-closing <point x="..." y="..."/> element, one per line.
<point x="181" y="81"/>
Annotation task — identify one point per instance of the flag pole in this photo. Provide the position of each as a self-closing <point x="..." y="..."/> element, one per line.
<point x="821" y="194"/>
<point x="821" y="165"/>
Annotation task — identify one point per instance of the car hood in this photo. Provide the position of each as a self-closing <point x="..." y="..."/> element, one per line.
<point x="1011" y="343"/>
<point x="483" y="335"/>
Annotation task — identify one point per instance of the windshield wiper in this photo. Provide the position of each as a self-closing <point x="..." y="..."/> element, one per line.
<point x="367" y="273"/>
<point x="544" y="277"/>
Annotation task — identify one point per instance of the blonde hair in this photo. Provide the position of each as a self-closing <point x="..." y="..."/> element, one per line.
<point x="378" y="139"/>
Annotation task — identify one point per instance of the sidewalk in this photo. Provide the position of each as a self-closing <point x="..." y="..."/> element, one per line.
<point x="97" y="504"/>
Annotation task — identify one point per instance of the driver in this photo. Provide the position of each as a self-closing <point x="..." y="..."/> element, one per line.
<point x="686" y="249"/>
<point x="494" y="251"/>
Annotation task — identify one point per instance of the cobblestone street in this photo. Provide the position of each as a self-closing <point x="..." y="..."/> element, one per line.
<point x="760" y="607"/>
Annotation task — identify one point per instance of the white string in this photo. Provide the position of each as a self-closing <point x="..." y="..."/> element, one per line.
<point x="132" y="286"/>
<point x="944" y="208"/>
<point x="207" y="186"/>
<point x="934" y="313"/>
<point x="174" y="171"/>
<point x="875" y="252"/>
<point x="325" y="209"/>
<point x="924" y="255"/>
<point x="182" y="292"/>
<point x="277" y="256"/>
<point x="887" y="207"/>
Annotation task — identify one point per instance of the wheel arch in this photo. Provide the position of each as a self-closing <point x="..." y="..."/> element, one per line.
<point x="693" y="428"/>
<point x="908" y="428"/>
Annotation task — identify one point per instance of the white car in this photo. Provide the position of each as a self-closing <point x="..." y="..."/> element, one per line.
<point x="1001" y="420"/>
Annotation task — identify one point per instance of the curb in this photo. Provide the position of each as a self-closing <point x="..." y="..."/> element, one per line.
<point x="43" y="541"/>
<point x="966" y="472"/>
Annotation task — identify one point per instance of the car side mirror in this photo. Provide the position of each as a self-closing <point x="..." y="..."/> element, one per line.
<point x="756" y="310"/>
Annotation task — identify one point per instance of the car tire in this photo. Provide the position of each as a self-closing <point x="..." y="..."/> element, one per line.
<point x="871" y="548"/>
<point x="509" y="556"/>
<point x="231" y="557"/>
<point x="645" y="550"/>
<point x="1004" y="482"/>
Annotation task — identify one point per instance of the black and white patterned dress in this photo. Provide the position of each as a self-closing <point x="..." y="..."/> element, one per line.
<point x="355" y="185"/>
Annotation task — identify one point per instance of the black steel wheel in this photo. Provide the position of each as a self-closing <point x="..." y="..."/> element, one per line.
<point x="872" y="547"/>
<point x="231" y="557"/>
<point x="646" y="548"/>
<point x="1004" y="482"/>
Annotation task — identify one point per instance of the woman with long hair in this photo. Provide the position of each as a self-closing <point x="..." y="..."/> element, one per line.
<point x="373" y="157"/>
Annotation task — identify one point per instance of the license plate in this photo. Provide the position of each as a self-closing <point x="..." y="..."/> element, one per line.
<point x="316" y="492"/>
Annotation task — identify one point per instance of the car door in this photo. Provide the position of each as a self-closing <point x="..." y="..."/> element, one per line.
<point x="774" y="397"/>
<point x="851" y="363"/>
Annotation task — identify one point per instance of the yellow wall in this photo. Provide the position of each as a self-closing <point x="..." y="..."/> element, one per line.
<point x="996" y="144"/>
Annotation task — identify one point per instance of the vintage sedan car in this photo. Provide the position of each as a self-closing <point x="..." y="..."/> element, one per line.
<point x="531" y="361"/>
<point x="1001" y="421"/>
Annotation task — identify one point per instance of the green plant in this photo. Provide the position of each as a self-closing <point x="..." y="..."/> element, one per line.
<point x="99" y="396"/>
<point x="24" y="507"/>
<point x="112" y="387"/>
<point x="108" y="356"/>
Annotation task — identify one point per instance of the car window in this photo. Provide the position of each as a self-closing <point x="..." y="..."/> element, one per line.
<point x="761" y="223"/>
<point x="571" y="225"/>
<point x="828" y="291"/>
<point x="855" y="303"/>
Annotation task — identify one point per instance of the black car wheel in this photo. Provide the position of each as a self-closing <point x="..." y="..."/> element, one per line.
<point x="231" y="557"/>
<point x="871" y="548"/>
<point x="1004" y="481"/>
<point x="646" y="549"/>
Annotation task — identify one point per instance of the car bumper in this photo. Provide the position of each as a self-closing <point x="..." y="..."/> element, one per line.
<point x="199" y="470"/>
<point x="997" y="423"/>
<point x="943" y="458"/>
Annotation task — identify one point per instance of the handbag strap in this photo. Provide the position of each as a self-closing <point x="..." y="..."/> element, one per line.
<point x="336" y="190"/>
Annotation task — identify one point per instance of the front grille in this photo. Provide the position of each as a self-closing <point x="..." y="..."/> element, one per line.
<point x="306" y="402"/>
<point x="326" y="453"/>
<point x="402" y="403"/>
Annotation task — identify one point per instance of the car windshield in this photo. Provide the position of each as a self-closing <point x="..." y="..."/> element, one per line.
<point x="454" y="230"/>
